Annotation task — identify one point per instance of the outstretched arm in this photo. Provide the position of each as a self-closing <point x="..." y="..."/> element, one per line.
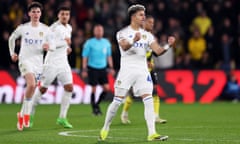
<point x="159" y="50"/>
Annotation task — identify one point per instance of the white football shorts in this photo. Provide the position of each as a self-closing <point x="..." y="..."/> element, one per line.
<point x="63" y="74"/>
<point x="29" y="67"/>
<point x="139" y="80"/>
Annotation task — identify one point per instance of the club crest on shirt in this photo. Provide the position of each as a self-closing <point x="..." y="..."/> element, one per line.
<point x="119" y="82"/>
<point x="144" y="37"/>
<point x="40" y="34"/>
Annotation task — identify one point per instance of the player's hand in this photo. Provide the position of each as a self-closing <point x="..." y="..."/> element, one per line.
<point x="150" y="65"/>
<point x="84" y="74"/>
<point x="112" y="71"/>
<point x="45" y="46"/>
<point x="137" y="37"/>
<point x="14" y="57"/>
<point x="69" y="50"/>
<point x="68" y="40"/>
<point x="171" y="40"/>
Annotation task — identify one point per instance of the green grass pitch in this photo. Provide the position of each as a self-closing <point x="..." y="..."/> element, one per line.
<point x="217" y="123"/>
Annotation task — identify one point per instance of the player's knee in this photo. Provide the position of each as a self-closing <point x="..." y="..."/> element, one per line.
<point x="106" y="88"/>
<point x="68" y="88"/>
<point x="43" y="90"/>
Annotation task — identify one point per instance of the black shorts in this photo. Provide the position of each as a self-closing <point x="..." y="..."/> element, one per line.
<point x="154" y="77"/>
<point x="97" y="76"/>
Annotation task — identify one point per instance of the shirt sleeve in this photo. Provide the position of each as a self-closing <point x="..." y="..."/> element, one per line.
<point x="86" y="49"/>
<point x="151" y="38"/>
<point x="109" y="49"/>
<point x="49" y="38"/>
<point x="59" y="40"/>
<point x="120" y="36"/>
<point x="11" y="41"/>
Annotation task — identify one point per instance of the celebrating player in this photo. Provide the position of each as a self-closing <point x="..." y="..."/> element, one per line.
<point x="134" y="42"/>
<point x="56" y="66"/>
<point x="148" y="26"/>
<point x="30" y="59"/>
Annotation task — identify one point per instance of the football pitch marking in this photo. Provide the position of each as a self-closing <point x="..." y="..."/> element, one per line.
<point x="82" y="134"/>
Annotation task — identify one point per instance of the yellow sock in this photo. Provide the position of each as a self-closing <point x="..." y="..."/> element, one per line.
<point x="127" y="103"/>
<point x="156" y="103"/>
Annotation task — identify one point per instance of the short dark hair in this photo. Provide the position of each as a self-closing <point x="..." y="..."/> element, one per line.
<point x="149" y="16"/>
<point x="135" y="8"/>
<point x="35" y="5"/>
<point x="63" y="8"/>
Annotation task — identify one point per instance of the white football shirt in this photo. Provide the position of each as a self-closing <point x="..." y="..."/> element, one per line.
<point x="135" y="57"/>
<point x="58" y="57"/>
<point x="32" y="39"/>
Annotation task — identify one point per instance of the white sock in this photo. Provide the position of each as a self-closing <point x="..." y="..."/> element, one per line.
<point x="35" y="99"/>
<point x="27" y="106"/>
<point x="124" y="113"/>
<point x="149" y="114"/>
<point x="111" y="111"/>
<point x="22" y="108"/>
<point x="66" y="97"/>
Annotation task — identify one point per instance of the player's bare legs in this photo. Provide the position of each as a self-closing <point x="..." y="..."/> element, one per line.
<point x="24" y="115"/>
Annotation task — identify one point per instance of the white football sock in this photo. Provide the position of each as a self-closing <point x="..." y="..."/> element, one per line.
<point x="111" y="111"/>
<point x="66" y="97"/>
<point x="149" y="114"/>
<point x="27" y="106"/>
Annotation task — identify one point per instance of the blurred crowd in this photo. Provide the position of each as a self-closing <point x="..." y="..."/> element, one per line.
<point x="207" y="31"/>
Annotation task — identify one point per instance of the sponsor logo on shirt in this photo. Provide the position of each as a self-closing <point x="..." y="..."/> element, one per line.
<point x="33" y="41"/>
<point x="140" y="45"/>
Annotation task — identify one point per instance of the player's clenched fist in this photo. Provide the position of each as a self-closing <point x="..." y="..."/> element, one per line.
<point x="14" y="57"/>
<point x="137" y="37"/>
<point x="45" y="46"/>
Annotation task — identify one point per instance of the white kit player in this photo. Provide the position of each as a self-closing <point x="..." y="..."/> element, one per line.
<point x="30" y="59"/>
<point x="134" y="42"/>
<point x="56" y="66"/>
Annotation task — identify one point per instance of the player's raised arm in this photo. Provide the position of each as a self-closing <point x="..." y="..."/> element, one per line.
<point x="159" y="50"/>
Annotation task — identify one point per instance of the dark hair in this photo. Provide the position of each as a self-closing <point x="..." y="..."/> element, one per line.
<point x="63" y="8"/>
<point x="135" y="8"/>
<point x="149" y="16"/>
<point x="35" y="5"/>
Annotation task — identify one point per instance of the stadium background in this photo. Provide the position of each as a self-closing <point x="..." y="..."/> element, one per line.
<point x="182" y="80"/>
